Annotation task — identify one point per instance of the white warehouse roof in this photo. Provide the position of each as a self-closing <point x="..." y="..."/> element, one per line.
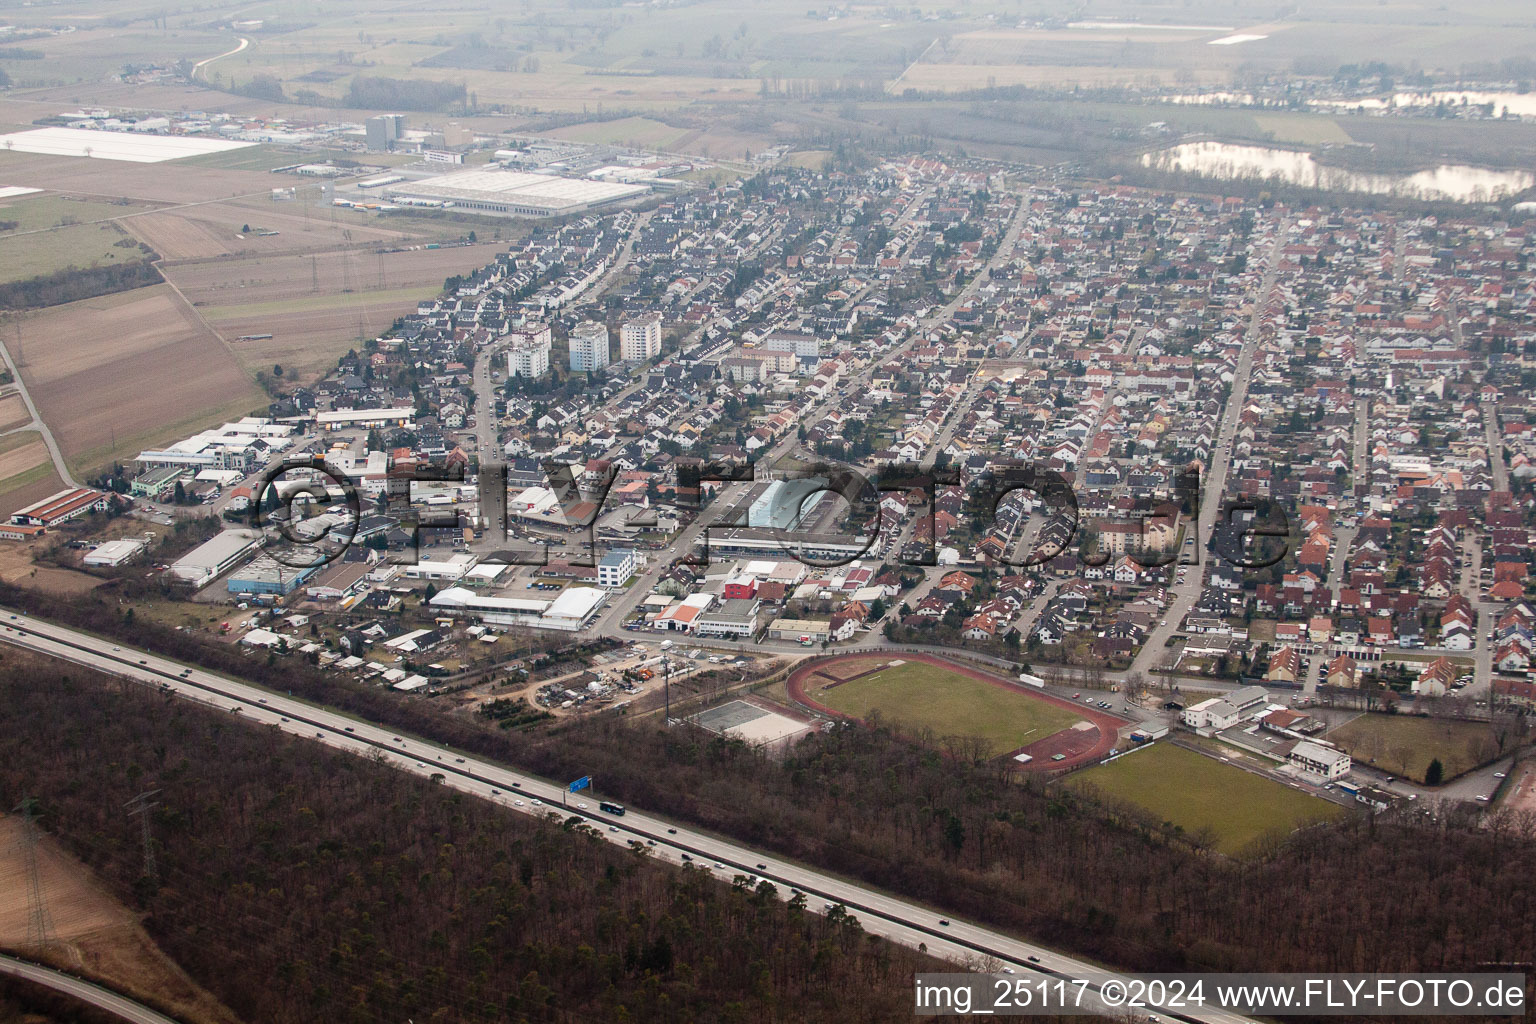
<point x="542" y="191"/>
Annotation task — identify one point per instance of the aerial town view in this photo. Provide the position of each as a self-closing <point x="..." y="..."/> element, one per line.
<point x="605" y="511"/>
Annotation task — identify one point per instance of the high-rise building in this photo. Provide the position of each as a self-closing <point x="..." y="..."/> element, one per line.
<point x="589" y="346"/>
<point x="384" y="130"/>
<point x="640" y="338"/>
<point x="528" y="353"/>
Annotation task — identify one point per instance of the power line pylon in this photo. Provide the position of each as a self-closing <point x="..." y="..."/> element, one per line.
<point x="39" y="921"/>
<point x="139" y="807"/>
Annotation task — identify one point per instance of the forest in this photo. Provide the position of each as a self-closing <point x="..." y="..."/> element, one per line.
<point x="301" y="884"/>
<point x="1373" y="893"/>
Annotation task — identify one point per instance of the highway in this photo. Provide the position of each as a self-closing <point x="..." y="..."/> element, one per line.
<point x="96" y="995"/>
<point x="879" y="913"/>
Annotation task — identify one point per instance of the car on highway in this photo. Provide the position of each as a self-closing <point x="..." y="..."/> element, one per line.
<point x="1033" y="959"/>
<point x="421" y="764"/>
<point x="458" y="760"/>
<point x="686" y="857"/>
<point x="495" y="792"/>
<point x="944" y="921"/>
<point x="1498" y="775"/>
<point x="671" y="831"/>
<point x="1480" y="798"/>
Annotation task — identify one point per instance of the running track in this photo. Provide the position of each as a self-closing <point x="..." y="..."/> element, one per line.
<point x="1084" y="747"/>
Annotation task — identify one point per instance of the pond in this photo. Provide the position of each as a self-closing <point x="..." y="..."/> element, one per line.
<point x="1229" y="162"/>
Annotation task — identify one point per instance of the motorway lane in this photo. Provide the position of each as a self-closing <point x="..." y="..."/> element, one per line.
<point x="878" y="913"/>
<point x="96" y="995"/>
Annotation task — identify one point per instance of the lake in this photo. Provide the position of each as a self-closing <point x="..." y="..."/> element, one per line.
<point x="1226" y="161"/>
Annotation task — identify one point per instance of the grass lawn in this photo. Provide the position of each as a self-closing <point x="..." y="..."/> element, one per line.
<point x="1406" y="744"/>
<point x="1197" y="792"/>
<point x="917" y="696"/>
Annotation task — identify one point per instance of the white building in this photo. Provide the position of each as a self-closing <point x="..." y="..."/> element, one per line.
<point x="573" y="609"/>
<point x="1316" y="759"/>
<point x="113" y="553"/>
<point x="640" y="338"/>
<point x="204" y="563"/>
<point x="616" y="567"/>
<point x="528" y="355"/>
<point x="450" y="570"/>
<point x="1211" y="714"/>
<point x="589" y="346"/>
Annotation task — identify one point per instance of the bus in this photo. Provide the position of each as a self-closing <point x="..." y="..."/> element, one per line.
<point x="616" y="809"/>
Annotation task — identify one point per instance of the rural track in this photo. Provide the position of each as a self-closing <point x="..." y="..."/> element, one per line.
<point x="59" y="465"/>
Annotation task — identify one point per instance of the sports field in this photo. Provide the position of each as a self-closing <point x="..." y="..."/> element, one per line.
<point x="916" y="696"/>
<point x="1198" y="793"/>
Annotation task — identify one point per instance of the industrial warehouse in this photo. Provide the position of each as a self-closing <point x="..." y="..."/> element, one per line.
<point x="512" y="193"/>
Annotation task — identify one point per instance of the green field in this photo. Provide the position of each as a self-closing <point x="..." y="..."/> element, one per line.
<point x="1406" y="744"/>
<point x="1198" y="793"/>
<point x="917" y="696"/>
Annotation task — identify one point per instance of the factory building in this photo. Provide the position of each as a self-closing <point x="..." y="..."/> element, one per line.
<point x="513" y="193"/>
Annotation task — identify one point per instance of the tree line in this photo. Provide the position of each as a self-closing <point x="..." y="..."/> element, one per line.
<point x="74" y="283"/>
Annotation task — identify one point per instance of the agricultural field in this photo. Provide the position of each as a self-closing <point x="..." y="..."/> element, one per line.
<point x="1406" y="744"/>
<point x="13" y="411"/>
<point x="316" y="306"/>
<point x="1199" y="794"/>
<point x="626" y="131"/>
<point x="107" y="181"/>
<point x="114" y="374"/>
<point x="82" y="246"/>
<point x="106" y="937"/>
<point x="214" y="229"/>
<point x="26" y="471"/>
<point x="917" y="697"/>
